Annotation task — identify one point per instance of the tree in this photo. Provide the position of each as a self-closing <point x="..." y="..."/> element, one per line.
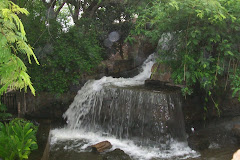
<point x="13" y="44"/>
<point x="18" y="137"/>
<point x="199" y="40"/>
<point x="66" y="53"/>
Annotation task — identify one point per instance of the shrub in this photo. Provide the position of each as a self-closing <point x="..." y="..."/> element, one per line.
<point x="17" y="139"/>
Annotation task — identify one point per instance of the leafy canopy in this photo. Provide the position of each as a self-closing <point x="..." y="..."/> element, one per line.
<point x="13" y="43"/>
<point x="198" y="38"/>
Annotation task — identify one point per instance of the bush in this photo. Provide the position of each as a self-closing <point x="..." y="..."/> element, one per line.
<point x="17" y="139"/>
<point x="64" y="60"/>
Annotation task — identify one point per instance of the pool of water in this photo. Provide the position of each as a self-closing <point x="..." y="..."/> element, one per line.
<point x="77" y="142"/>
<point x="66" y="151"/>
<point x="77" y="147"/>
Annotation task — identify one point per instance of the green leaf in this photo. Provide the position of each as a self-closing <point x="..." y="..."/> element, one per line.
<point x="12" y="42"/>
<point x="229" y="53"/>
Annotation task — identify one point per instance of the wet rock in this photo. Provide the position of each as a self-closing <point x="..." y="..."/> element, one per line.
<point x="130" y="73"/>
<point x="124" y="61"/>
<point x="193" y="112"/>
<point x="116" y="154"/>
<point x="161" y="77"/>
<point x="161" y="72"/>
<point x="236" y="131"/>
<point x="101" y="146"/>
<point x="155" y="83"/>
<point x="198" y="142"/>
<point x="120" y="66"/>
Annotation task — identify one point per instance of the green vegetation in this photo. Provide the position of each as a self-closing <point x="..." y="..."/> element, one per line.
<point x="3" y="112"/>
<point x="13" y="43"/>
<point x="17" y="139"/>
<point x="198" y="38"/>
<point x="67" y="50"/>
<point x="64" y="60"/>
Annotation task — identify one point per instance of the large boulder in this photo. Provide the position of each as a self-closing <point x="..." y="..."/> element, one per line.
<point x="161" y="72"/>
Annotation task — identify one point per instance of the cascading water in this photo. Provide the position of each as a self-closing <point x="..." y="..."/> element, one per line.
<point x="90" y="95"/>
<point x="144" y="123"/>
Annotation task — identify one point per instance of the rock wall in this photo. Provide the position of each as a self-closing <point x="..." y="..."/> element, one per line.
<point x="47" y="105"/>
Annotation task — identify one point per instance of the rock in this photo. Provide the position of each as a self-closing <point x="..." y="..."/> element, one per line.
<point x="161" y="72"/>
<point x="193" y="112"/>
<point x="236" y="131"/>
<point x="160" y="85"/>
<point x="124" y="60"/>
<point x="116" y="154"/>
<point x="155" y="83"/>
<point x="120" y="66"/>
<point x="102" y="146"/>
<point x="47" y="105"/>
<point x="236" y="155"/>
<point x="198" y="142"/>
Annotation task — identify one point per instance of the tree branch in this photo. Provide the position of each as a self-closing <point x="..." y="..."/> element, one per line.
<point x="70" y="9"/>
<point x="60" y="7"/>
<point x="53" y="3"/>
<point x="89" y="11"/>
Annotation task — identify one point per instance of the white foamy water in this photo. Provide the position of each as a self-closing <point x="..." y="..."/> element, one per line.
<point x="83" y="103"/>
<point x="177" y="150"/>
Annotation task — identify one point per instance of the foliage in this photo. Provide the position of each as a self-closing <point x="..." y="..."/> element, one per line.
<point x="235" y="83"/>
<point x="13" y="42"/>
<point x="64" y="51"/>
<point x="3" y="114"/>
<point x="198" y="38"/>
<point x="17" y="139"/>
<point x="64" y="60"/>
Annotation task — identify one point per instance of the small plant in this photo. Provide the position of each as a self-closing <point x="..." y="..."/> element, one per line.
<point x="17" y="139"/>
<point x="3" y="114"/>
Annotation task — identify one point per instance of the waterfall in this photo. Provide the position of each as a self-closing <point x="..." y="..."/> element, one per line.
<point x="145" y="123"/>
<point x="90" y="94"/>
